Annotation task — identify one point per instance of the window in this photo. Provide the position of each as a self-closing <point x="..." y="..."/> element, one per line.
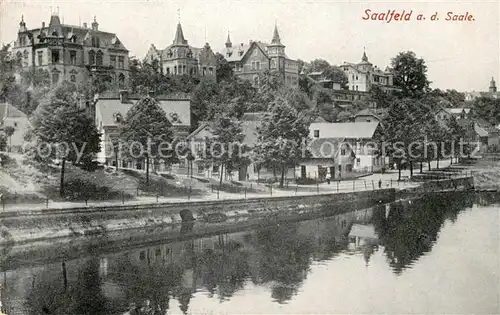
<point x="73" y="78"/>
<point x="258" y="65"/>
<point x="358" y="161"/>
<point x="210" y="71"/>
<point x="121" y="80"/>
<point x="316" y="133"/>
<point x="95" y="41"/>
<point x="98" y="58"/>
<point x="273" y="64"/>
<point x="121" y="62"/>
<point x="168" y="70"/>
<point x="158" y="252"/>
<point x="204" y="71"/>
<point x="112" y="60"/>
<point x="55" y="56"/>
<point x="91" y="57"/>
<point x="348" y="167"/>
<point x="55" y="78"/>
<point x="253" y="65"/>
<point x="142" y="255"/>
<point x="40" y="57"/>
<point x="342" y="151"/>
<point x="72" y="57"/>
<point x="256" y="80"/>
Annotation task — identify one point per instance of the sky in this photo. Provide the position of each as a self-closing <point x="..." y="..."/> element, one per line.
<point x="459" y="55"/>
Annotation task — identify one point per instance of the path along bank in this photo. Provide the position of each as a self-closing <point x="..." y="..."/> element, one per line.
<point x="146" y="222"/>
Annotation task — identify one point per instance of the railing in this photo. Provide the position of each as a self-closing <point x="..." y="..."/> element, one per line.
<point x="206" y="191"/>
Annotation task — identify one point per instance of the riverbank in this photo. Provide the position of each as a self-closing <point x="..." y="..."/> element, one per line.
<point x="139" y="221"/>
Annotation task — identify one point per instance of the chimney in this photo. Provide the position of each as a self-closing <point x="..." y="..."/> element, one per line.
<point x="43" y="24"/>
<point x="84" y="24"/>
<point x="123" y="96"/>
<point x="250" y="42"/>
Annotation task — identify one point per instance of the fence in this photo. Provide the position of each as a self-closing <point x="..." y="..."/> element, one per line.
<point x="226" y="192"/>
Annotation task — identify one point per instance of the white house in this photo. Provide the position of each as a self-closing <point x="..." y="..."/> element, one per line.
<point x="358" y="137"/>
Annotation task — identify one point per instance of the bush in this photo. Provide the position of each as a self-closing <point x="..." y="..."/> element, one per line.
<point x="78" y="189"/>
<point x="307" y="181"/>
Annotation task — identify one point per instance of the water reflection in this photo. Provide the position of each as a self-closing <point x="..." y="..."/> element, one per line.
<point x="278" y="257"/>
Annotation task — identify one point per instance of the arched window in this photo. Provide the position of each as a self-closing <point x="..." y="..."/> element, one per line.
<point x="99" y="58"/>
<point x="73" y="78"/>
<point x="95" y="41"/>
<point x="91" y="57"/>
<point x="121" y="80"/>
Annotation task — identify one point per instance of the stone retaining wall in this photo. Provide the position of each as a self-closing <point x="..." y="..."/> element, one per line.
<point x="75" y="223"/>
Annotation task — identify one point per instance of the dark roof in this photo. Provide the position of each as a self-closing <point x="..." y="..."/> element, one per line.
<point x="179" y="36"/>
<point x="83" y="35"/>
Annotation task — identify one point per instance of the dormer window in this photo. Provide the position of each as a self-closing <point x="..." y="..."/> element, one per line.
<point x="54" y="33"/>
<point x="229" y="53"/>
<point x="240" y="53"/>
<point x="118" y="118"/>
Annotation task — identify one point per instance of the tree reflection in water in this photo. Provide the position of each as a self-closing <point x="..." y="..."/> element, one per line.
<point x="279" y="256"/>
<point x="283" y="258"/>
<point x="49" y="295"/>
<point x="411" y="230"/>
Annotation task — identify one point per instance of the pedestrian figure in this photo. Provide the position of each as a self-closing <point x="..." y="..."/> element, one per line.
<point x="380" y="183"/>
<point x="328" y="179"/>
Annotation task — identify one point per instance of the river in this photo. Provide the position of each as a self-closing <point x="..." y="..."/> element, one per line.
<point x="438" y="254"/>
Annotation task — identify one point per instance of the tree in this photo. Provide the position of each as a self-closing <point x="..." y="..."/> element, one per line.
<point x="146" y="132"/>
<point x="9" y="131"/>
<point x="3" y="142"/>
<point x="381" y="98"/>
<point x="226" y="147"/>
<point x="403" y="127"/>
<point x="410" y="74"/>
<point x="330" y="72"/>
<point x="281" y="138"/>
<point x="487" y="109"/>
<point x="223" y="70"/>
<point x="68" y="132"/>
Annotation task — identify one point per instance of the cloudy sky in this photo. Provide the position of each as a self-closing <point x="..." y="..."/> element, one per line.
<point x="460" y="55"/>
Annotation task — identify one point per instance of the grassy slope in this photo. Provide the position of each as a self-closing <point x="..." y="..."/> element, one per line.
<point x="23" y="181"/>
<point x="487" y="174"/>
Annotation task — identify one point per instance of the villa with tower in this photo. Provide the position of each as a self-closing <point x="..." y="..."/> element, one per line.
<point x="72" y="53"/>
<point x="250" y="60"/>
<point x="180" y="58"/>
<point x="363" y="75"/>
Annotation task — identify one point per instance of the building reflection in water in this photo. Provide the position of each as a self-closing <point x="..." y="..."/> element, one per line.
<point x="144" y="280"/>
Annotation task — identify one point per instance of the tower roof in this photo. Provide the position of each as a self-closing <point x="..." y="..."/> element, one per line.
<point x="276" y="36"/>
<point x="179" y="36"/>
<point x="228" y="41"/>
<point x="492" y="82"/>
<point x="364" y="58"/>
<point x="22" y="25"/>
